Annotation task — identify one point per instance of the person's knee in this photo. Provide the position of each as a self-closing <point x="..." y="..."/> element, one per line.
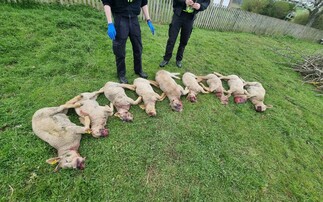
<point x="119" y="52"/>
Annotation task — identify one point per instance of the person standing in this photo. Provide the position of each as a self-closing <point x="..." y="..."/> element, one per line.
<point x="184" y="15"/>
<point x="125" y="16"/>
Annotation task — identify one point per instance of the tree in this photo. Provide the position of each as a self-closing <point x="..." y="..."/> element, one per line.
<point x="255" y="6"/>
<point x="278" y="9"/>
<point x="315" y="12"/>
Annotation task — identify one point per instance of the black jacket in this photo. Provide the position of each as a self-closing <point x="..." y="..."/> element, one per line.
<point x="180" y="5"/>
<point x="124" y="7"/>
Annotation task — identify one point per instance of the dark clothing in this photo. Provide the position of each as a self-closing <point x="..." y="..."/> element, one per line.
<point x="125" y="15"/>
<point x="180" y="5"/>
<point x="124" y="7"/>
<point x="127" y="27"/>
<point x="181" y="21"/>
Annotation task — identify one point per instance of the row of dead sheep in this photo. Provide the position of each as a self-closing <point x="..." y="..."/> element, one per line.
<point x="52" y="125"/>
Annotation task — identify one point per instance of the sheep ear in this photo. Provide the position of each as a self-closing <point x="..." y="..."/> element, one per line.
<point x="117" y="114"/>
<point x="269" y="106"/>
<point x="53" y="161"/>
<point x="142" y="106"/>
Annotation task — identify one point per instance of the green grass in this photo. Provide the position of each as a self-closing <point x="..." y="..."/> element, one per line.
<point x="208" y="152"/>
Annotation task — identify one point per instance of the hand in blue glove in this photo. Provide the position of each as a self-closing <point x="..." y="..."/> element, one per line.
<point x="151" y="27"/>
<point x="111" y="32"/>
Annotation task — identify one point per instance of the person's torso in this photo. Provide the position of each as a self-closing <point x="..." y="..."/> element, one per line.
<point x="128" y="8"/>
<point x="180" y="6"/>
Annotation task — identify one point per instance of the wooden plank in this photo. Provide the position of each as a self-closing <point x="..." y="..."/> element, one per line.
<point x="213" y="18"/>
<point x="163" y="10"/>
<point x="226" y="17"/>
<point x="156" y="11"/>
<point x="169" y="12"/>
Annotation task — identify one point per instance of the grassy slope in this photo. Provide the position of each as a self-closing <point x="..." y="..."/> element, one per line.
<point x="207" y="152"/>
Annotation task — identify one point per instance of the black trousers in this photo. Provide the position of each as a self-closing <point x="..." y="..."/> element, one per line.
<point x="183" y="23"/>
<point x="127" y="27"/>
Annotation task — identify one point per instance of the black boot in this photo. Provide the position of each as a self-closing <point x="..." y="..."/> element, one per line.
<point x="179" y="64"/>
<point x="163" y="63"/>
<point x="142" y="75"/>
<point x="123" y="79"/>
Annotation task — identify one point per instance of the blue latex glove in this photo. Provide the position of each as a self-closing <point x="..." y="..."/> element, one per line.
<point x="151" y="27"/>
<point x="111" y="32"/>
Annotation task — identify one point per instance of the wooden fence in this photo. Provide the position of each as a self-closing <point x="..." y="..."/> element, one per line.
<point x="217" y="18"/>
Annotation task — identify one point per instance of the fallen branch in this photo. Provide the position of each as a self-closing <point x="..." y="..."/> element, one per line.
<point x="309" y="66"/>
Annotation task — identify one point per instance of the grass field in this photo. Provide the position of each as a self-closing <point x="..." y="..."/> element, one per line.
<point x="208" y="152"/>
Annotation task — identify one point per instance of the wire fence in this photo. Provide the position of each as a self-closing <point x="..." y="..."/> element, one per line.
<point x="216" y="18"/>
